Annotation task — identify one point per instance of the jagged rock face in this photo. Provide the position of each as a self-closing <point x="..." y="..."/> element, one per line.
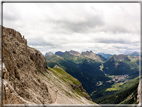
<point x="38" y="59"/>
<point x="9" y="96"/>
<point x="22" y="63"/>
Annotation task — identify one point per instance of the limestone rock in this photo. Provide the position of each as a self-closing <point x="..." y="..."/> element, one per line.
<point x="21" y="64"/>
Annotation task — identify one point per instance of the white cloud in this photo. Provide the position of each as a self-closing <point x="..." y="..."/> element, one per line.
<point x="101" y="27"/>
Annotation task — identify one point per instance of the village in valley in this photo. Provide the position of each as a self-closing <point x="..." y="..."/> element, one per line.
<point x="115" y="79"/>
<point x="119" y="78"/>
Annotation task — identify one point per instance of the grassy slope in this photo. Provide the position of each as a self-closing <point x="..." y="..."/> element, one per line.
<point x="70" y="80"/>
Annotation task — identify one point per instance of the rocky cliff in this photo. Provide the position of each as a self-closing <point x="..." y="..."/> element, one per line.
<point x="27" y="79"/>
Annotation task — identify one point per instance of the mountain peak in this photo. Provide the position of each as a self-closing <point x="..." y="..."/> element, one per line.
<point x="49" y="54"/>
<point x="59" y="53"/>
<point x="88" y="53"/>
<point x="92" y="55"/>
<point x="119" y="57"/>
<point x="76" y="53"/>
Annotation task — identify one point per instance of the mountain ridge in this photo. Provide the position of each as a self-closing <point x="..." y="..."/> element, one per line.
<point x="88" y="54"/>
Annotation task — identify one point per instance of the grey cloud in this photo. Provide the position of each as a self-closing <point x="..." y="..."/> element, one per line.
<point x="10" y="13"/>
<point x="92" y="21"/>
<point x="39" y="42"/>
<point x="117" y="29"/>
<point x="9" y="17"/>
<point x="112" y="41"/>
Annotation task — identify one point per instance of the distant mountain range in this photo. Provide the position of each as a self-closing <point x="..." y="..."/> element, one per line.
<point x="135" y="53"/>
<point x="88" y="54"/>
<point x="90" y="68"/>
<point x="112" y="64"/>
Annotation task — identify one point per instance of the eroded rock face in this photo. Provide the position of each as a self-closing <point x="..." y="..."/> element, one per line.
<point x="21" y="66"/>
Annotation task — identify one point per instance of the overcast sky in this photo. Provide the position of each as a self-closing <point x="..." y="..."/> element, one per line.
<point x="100" y="27"/>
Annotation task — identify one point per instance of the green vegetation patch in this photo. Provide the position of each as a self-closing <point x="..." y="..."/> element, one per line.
<point x="63" y="75"/>
<point x="67" y="78"/>
<point x="115" y="87"/>
<point x="101" y="67"/>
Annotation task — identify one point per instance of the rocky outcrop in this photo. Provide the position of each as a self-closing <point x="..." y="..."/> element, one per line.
<point x="10" y="96"/>
<point x="22" y="64"/>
